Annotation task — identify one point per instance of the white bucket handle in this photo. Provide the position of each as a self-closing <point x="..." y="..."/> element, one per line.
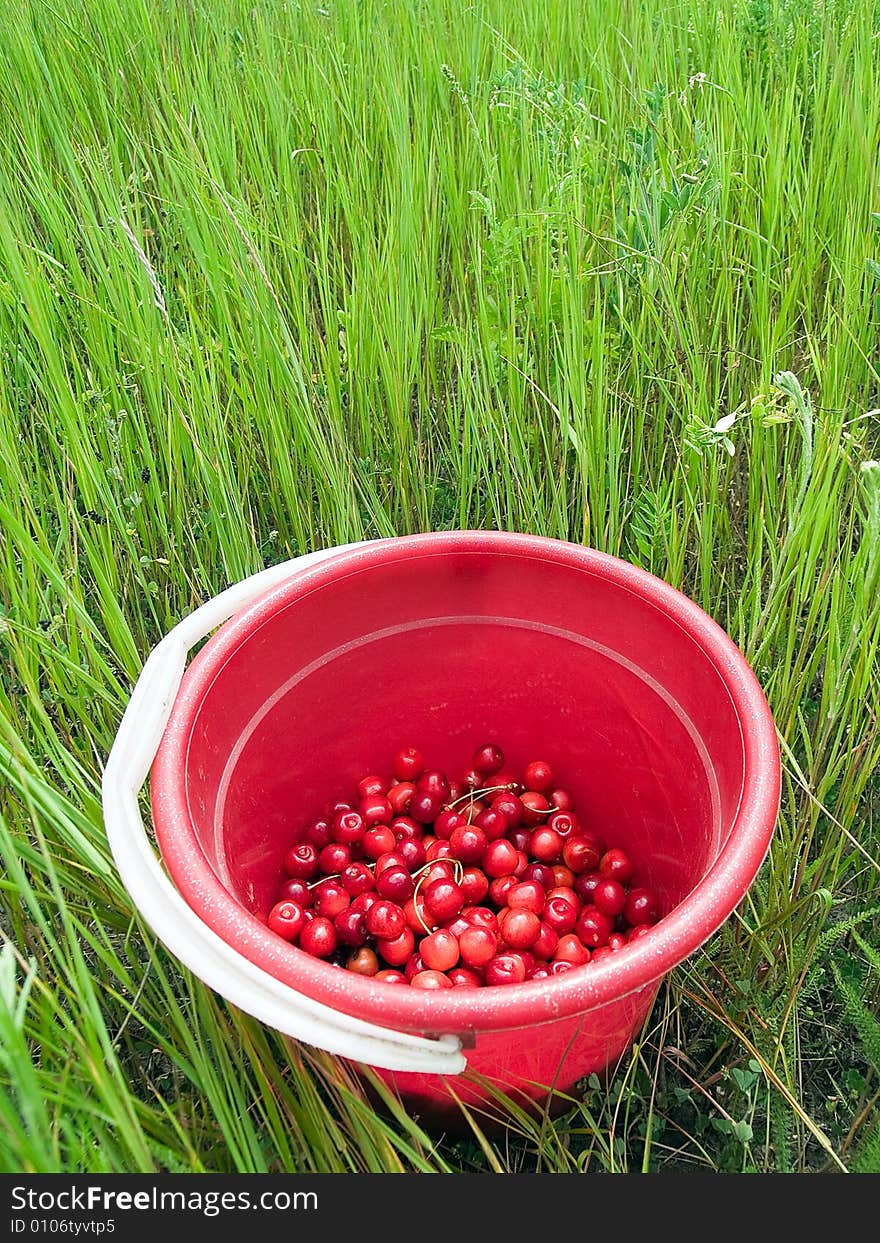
<point x="199" y="948"/>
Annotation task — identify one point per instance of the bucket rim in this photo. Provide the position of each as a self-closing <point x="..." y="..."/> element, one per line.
<point x="640" y="964"/>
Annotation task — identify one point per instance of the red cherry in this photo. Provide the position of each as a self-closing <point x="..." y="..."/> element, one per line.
<point x="510" y="807"/>
<point x="642" y="907"/>
<point x="585" y="886"/>
<point x="544" y="875"/>
<point x="468" y="843"/>
<point x="488" y="759"/>
<point x="390" y="860"/>
<point x="318" y="938"/>
<point x="330" y="899"/>
<point x="582" y="853"/>
<point x="601" y="951"/>
<point x="412" y="853"/>
<point x="301" y="861"/>
<point x="440" y="950"/>
<point x="519" y="838"/>
<point x="542" y="973"/>
<point x="440" y="869"/>
<point x="333" y="809"/>
<point x="500" y="887"/>
<point x="443" y="900"/>
<point x="538" y="776"/>
<point x="399" y="795"/>
<point x="446" y="822"/>
<point x="593" y="927"/>
<point x="458" y="925"/>
<point x="377" y="841"/>
<point x="522" y="862"/>
<point x="567" y="894"/>
<point x="565" y="824"/>
<point x="395" y="883"/>
<point x="610" y="897"/>
<point x="364" y="901"/>
<point x="477" y="946"/>
<point x="287" y="919"/>
<point x="561" y="798"/>
<point x="571" y="950"/>
<point x="436" y="849"/>
<point x="435" y="783"/>
<point x="545" y="845"/>
<point x="560" y="915"/>
<point x="508" y="780"/>
<point x="385" y="920"/>
<point x="548" y="939"/>
<point x="413" y="966"/>
<point x="481" y="917"/>
<point x="493" y="822"/>
<point x="472" y="811"/>
<point x="473" y="780"/>
<point x="535" y="807"/>
<point x="617" y="864"/>
<point x="616" y="941"/>
<point x="640" y="930"/>
<point x="463" y="977"/>
<point x="505" y="969"/>
<point x="406" y="829"/>
<point x="298" y="891"/>
<point x="519" y="928"/>
<point x="409" y="764"/>
<point x="357" y="879"/>
<point x="474" y="885"/>
<point x="431" y="980"/>
<point x="398" y="950"/>
<point x="391" y="977"/>
<point x="334" y="858"/>
<point x="527" y="896"/>
<point x="500" y="858"/>
<point x="376" y="810"/>
<point x="370" y="786"/>
<point x="318" y="833"/>
<point x="351" y="927"/>
<point x="424" y="807"/>
<point x="416" y="916"/>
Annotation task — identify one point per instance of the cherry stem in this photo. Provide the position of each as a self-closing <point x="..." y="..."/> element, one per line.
<point x="472" y="795"/>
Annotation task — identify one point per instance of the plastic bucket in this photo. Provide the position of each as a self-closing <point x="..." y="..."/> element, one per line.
<point x="643" y="705"/>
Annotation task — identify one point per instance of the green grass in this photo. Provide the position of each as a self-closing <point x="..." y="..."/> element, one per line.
<point x="277" y="275"/>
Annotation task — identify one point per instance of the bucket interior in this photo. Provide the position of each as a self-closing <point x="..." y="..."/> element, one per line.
<point x="447" y="649"/>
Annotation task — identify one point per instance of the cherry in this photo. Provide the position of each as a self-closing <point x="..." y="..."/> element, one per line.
<point x="395" y="883"/>
<point x="585" y="886"/>
<point x="287" y="918"/>
<point x="458" y="925"/>
<point x="318" y="833"/>
<point x="582" y="853"/>
<point x="519" y="838"/>
<point x="468" y="842"/>
<point x="477" y="946"/>
<point x="430" y="980"/>
<point x="398" y="796"/>
<point x="363" y="962"/>
<point x="560" y="965"/>
<point x="510" y="807"/>
<point x="535" y="807"/>
<point x="334" y="858"/>
<point x="505" y="969"/>
<point x="538" y="776"/>
<point x="378" y="841"/>
<point x="616" y="941"/>
<point x="412" y="852"/>
<point x="357" y="879"/>
<point x="493" y="822"/>
<point x="564" y="823"/>
<point x="500" y="858"/>
<point x="413" y="966"/>
<point x="409" y="764"/>
<point x="472" y="811"/>
<point x="528" y="895"/>
<point x="435" y="849"/>
<point x="617" y="864"/>
<point x="301" y="861"/>
<point x="500" y="887"/>
<point x="601" y="951"/>
<point x="405" y="829"/>
<point x="298" y="891"/>
<point x="416" y="916"/>
<point x="563" y="876"/>
<point x="481" y="917"/>
<point x="435" y="783"/>
<point x="333" y="809"/>
<point x="488" y="759"/>
<point x="368" y="787"/>
<point x="560" y="915"/>
<point x="364" y="901"/>
<point x="544" y="875"/>
<point x="593" y="927"/>
<point x="390" y="860"/>
<point x="545" y="845"/>
<point x="440" y="950"/>
<point x="473" y="780"/>
<point x="385" y="920"/>
<point x="474" y="885"/>
<point x="568" y="895"/>
<point x="520" y="928"/>
<point x="443" y="899"/>
<point x="391" y="977"/>
<point x="508" y="780"/>
<point x="642" y="907"/>
<point x="636" y="934"/>
<point x="318" y="937"/>
<point x="376" y="810"/>
<point x="522" y="862"/>
<point x="571" y="950"/>
<point x="398" y="950"/>
<point x="561" y="798"/>
<point x="610" y="897"/>
<point x="351" y="927"/>
<point x="541" y="973"/>
<point x="464" y="977"/>
<point x="331" y="899"/>
<point x="440" y="869"/>
<point x="424" y="806"/>
<point x="545" y="946"/>
<point x="446" y="822"/>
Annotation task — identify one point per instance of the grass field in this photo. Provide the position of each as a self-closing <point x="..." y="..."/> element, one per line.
<point x="275" y="276"/>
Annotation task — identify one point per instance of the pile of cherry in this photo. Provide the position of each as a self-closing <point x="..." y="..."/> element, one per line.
<point x="439" y="884"/>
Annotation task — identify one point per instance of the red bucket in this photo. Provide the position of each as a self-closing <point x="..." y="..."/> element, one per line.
<point x="641" y="703"/>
